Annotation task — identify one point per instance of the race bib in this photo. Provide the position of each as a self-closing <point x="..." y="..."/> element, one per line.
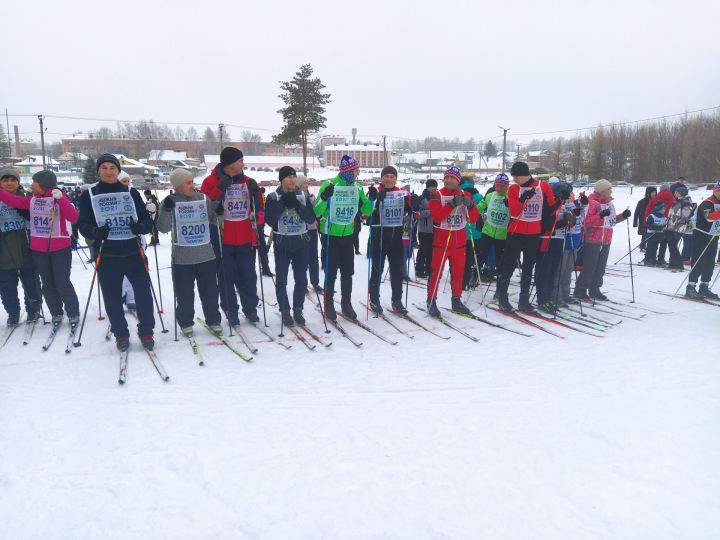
<point x="498" y="214"/>
<point x="344" y="205"/>
<point x="10" y="220"/>
<point x="392" y="209"/>
<point x="191" y="223"/>
<point x="44" y="218"/>
<point x="236" y="203"/>
<point x="715" y="227"/>
<point x="611" y="220"/>
<point x="116" y="210"/>
<point x="290" y="222"/>
<point x="532" y="209"/>
<point x="457" y="218"/>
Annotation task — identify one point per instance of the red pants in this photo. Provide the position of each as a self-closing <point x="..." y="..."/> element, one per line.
<point x="456" y="256"/>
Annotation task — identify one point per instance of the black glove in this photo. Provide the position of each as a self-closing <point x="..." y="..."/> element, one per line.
<point x="169" y="203"/>
<point x="225" y="182"/>
<point x="505" y="202"/>
<point x="577" y="211"/>
<point x="626" y="213"/>
<point x="328" y="192"/>
<point x="381" y="195"/>
<point x="101" y="233"/>
<point x="468" y="202"/>
<point x="605" y="213"/>
<point x="289" y="199"/>
<point x="584" y="200"/>
<point x="526" y="195"/>
<point x="135" y="227"/>
<point x="219" y="209"/>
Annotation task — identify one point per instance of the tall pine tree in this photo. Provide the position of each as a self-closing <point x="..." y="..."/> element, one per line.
<point x="304" y="111"/>
<point x="90" y="175"/>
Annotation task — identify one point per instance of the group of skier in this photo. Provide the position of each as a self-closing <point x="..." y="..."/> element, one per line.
<point x="543" y="228"/>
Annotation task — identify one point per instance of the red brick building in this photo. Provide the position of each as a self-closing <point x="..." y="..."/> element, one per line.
<point x="368" y="155"/>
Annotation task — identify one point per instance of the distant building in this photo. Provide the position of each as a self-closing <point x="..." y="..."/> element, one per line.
<point x="33" y="164"/>
<point x="271" y="162"/>
<point x="368" y="155"/>
<point x="547" y="159"/>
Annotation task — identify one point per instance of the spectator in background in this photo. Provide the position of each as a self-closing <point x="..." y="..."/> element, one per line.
<point x="638" y="220"/>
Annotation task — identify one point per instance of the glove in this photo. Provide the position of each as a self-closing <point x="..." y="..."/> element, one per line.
<point x="526" y="195"/>
<point x="626" y="213"/>
<point x="290" y="200"/>
<point x="583" y="199"/>
<point x="577" y="211"/>
<point x="168" y="203"/>
<point x="225" y="182"/>
<point x="328" y="192"/>
<point x="135" y="227"/>
<point x="219" y="209"/>
<point x="468" y="202"/>
<point x="505" y="202"/>
<point x="605" y="213"/>
<point x="416" y="215"/>
<point x="57" y="194"/>
<point x="381" y="195"/>
<point x="101" y="233"/>
<point x="151" y="207"/>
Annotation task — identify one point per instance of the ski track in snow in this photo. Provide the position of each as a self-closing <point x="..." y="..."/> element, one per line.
<point x="431" y="439"/>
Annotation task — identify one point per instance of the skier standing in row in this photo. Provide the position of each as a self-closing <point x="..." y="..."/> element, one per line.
<point x="425" y="231"/>
<point x="494" y="207"/>
<point x="313" y="262"/>
<point x="705" y="246"/>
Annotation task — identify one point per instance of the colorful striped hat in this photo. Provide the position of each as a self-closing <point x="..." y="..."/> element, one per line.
<point x="502" y="179"/>
<point x="348" y="163"/>
<point x="454" y="172"/>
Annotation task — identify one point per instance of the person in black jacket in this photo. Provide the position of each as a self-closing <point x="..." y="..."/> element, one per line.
<point x="112" y="216"/>
<point x="638" y="220"/>
<point x="288" y="211"/>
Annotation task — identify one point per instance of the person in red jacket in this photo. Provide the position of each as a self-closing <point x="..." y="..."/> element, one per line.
<point x="526" y="199"/>
<point x="451" y="209"/>
<point x="240" y="209"/>
<point x="659" y="204"/>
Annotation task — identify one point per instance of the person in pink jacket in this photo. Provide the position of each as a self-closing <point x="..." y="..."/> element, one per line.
<point x="597" y="235"/>
<point x="50" y="210"/>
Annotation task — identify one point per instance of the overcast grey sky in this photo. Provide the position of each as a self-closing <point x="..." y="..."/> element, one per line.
<point x="399" y="68"/>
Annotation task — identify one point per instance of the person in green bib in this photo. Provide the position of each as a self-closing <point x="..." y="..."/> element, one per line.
<point x="497" y="216"/>
<point x="337" y="204"/>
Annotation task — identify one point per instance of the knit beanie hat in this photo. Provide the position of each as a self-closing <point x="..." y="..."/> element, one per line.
<point x="717" y="185"/>
<point x="682" y="190"/>
<point x="46" y="178"/>
<point x="454" y="172"/>
<point x="230" y="155"/>
<point x="389" y="169"/>
<point x="9" y="171"/>
<point x="348" y="164"/>
<point x="665" y="186"/>
<point x="107" y="158"/>
<point x="502" y="179"/>
<point x="520" y="168"/>
<point x="553" y="180"/>
<point x="179" y="176"/>
<point x="301" y="180"/>
<point x="431" y="183"/>
<point x="285" y="172"/>
<point x="602" y="185"/>
<point x="123" y="176"/>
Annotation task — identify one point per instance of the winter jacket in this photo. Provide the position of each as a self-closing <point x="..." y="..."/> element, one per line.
<point x="473" y="228"/>
<point x="680" y="214"/>
<point x="14" y="248"/>
<point x="182" y="255"/>
<point x="389" y="234"/>
<point x="275" y="210"/>
<point x="87" y="222"/>
<point x="498" y="215"/>
<point x="638" y="217"/>
<point x="571" y="230"/>
<point x="600" y="230"/>
<point x="64" y="211"/>
<point x="314" y="225"/>
<point x="708" y="216"/>
<point x="663" y="201"/>
<point x="450" y="237"/>
<point x="322" y="206"/>
<point x="235" y="233"/>
<point x="525" y="218"/>
<point x="424" y="217"/>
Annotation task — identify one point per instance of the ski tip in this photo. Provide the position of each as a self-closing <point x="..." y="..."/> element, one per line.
<point x="201" y="363"/>
<point x="121" y="381"/>
<point x="166" y="378"/>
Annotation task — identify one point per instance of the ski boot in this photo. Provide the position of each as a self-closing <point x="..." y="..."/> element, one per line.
<point x="13" y="320"/>
<point x="398" y="307"/>
<point x="287" y="319"/>
<point x="252" y="316"/>
<point x="216" y="328"/>
<point x="503" y="302"/>
<point x="581" y="295"/>
<point x="298" y="316"/>
<point x="347" y="309"/>
<point x="595" y="294"/>
<point x="330" y="312"/>
<point x="147" y="341"/>
<point x="56" y="319"/>
<point x="432" y="308"/>
<point x="318" y="289"/>
<point x="525" y="305"/>
<point x="691" y="293"/>
<point x="457" y="305"/>
<point x="706" y="293"/>
<point x="122" y="343"/>
<point x="375" y="306"/>
<point x="187" y="331"/>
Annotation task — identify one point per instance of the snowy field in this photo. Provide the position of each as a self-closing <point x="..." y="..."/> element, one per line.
<point x="508" y="438"/>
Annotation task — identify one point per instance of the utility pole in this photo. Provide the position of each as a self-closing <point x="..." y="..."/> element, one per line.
<point x="518" y="152"/>
<point x="220" y="130"/>
<point x="504" y="144"/>
<point x="385" y="160"/>
<point x="7" y="123"/>
<point x="42" y="138"/>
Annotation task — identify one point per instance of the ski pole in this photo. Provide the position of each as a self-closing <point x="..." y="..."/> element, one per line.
<point x="253" y="222"/>
<point x="327" y="258"/>
<point x="632" y="278"/>
<point x="222" y="275"/>
<point x="100" y="315"/>
<point x="172" y="266"/>
<point x="698" y="260"/>
<point x="143" y="258"/>
<point x="370" y="263"/>
<point x="78" y="343"/>
<point x="576" y="276"/>
<point x="157" y="268"/>
<point x="639" y="245"/>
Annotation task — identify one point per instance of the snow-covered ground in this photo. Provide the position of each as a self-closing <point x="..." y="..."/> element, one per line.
<point x="511" y="437"/>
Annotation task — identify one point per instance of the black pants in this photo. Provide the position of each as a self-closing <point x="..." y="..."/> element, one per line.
<point x="485" y="243"/>
<point x="54" y="269"/>
<point x="9" y="280"/>
<point x="356" y="235"/>
<point x="470" y="255"/>
<point x="703" y="266"/>
<point x="341" y="257"/>
<point x="239" y="271"/>
<point x="424" y="255"/>
<point x="517" y="244"/>
<point x="220" y="275"/>
<point x="185" y="276"/>
<point x="547" y="271"/>
<point x="653" y="244"/>
<point x="673" y="238"/>
<point x="394" y="251"/>
<point x="110" y="276"/>
<point x="298" y="257"/>
<point x="262" y="249"/>
<point x="313" y="265"/>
